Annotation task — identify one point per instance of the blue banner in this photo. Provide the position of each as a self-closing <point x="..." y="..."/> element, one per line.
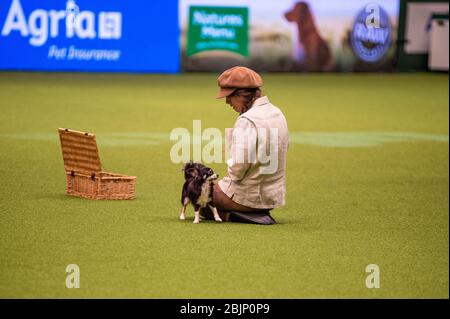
<point x="89" y="35"/>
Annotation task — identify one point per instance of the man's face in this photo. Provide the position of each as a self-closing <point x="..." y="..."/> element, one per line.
<point x="236" y="102"/>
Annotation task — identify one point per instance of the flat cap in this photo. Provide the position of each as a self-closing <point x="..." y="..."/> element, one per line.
<point x="237" y="77"/>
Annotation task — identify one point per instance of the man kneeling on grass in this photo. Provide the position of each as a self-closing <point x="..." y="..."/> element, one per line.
<point x="255" y="181"/>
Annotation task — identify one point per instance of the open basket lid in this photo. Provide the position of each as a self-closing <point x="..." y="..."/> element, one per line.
<point x="79" y="151"/>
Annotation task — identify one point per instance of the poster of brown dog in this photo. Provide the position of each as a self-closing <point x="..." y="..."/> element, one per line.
<point x="317" y="55"/>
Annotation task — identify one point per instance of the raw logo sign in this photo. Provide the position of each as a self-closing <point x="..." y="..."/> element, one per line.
<point x="371" y="34"/>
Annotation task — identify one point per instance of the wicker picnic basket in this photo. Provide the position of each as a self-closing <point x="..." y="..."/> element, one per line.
<point x="85" y="177"/>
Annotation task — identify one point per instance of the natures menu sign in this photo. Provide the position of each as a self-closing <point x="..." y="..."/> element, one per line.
<point x="218" y="28"/>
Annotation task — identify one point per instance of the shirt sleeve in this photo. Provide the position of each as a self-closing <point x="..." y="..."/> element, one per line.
<point x="243" y="141"/>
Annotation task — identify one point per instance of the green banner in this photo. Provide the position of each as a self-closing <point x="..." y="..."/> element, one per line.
<point x="217" y="28"/>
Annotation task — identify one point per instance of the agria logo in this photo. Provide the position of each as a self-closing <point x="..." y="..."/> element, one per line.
<point x="42" y="24"/>
<point x="371" y="33"/>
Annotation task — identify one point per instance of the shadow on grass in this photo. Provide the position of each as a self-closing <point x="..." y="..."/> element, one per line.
<point x="167" y="219"/>
<point x="65" y="197"/>
<point x="189" y="220"/>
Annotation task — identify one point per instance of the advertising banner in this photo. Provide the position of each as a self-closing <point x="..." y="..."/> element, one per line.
<point x="288" y="35"/>
<point x="89" y="35"/>
<point x="218" y="28"/>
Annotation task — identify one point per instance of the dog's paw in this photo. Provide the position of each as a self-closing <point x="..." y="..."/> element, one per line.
<point x="196" y="221"/>
<point x="219" y="220"/>
<point x="182" y="217"/>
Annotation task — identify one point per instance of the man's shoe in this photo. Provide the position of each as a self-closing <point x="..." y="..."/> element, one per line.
<point x="261" y="218"/>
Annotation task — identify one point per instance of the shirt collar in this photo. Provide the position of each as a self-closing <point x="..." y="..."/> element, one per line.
<point x="261" y="101"/>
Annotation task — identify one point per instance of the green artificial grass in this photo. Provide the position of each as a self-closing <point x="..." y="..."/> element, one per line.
<point x="367" y="183"/>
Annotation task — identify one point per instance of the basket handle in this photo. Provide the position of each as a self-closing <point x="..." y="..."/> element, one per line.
<point x="72" y="173"/>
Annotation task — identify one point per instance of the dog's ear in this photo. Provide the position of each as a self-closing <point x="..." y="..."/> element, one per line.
<point x="192" y="172"/>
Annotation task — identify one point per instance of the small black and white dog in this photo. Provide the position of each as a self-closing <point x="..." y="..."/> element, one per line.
<point x="198" y="190"/>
